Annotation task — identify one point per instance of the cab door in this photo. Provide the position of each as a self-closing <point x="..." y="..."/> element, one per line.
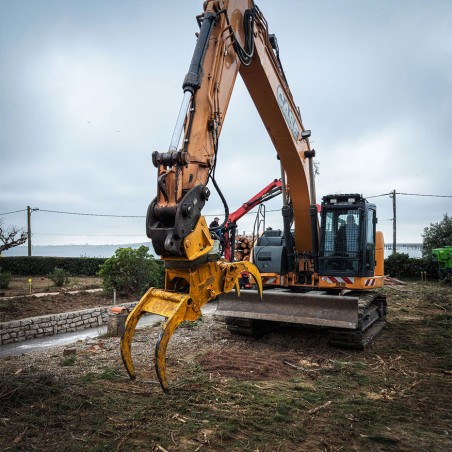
<point x="369" y="262"/>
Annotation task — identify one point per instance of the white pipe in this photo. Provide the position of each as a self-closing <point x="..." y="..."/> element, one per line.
<point x="180" y="121"/>
<point x="283" y="188"/>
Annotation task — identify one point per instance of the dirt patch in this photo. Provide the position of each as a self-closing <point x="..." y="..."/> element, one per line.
<point x="286" y="391"/>
<point x="20" y="285"/>
<point x="242" y="366"/>
<point x="23" y="307"/>
<point x="278" y="356"/>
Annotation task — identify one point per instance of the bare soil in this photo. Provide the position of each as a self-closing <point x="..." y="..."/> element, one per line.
<point x="20" y="285"/>
<point x="17" y="303"/>
<point x="287" y="391"/>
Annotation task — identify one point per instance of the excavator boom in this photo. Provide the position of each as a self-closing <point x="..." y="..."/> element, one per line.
<point x="233" y="39"/>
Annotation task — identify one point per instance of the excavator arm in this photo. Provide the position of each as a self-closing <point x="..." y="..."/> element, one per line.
<point x="233" y="38"/>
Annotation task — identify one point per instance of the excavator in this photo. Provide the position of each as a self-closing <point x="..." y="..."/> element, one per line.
<point x="325" y="274"/>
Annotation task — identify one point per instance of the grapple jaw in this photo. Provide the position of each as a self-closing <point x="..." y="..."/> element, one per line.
<point x="188" y="287"/>
<point x="177" y="307"/>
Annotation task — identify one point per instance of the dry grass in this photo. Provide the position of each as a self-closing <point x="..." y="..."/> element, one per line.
<point x="286" y="391"/>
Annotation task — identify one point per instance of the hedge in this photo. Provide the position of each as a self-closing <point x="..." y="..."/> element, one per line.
<point x="401" y="265"/>
<point x="43" y="265"/>
<point x="398" y="265"/>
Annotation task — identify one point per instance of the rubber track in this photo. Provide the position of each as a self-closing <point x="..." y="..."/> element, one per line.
<point x="371" y="320"/>
<point x="249" y="327"/>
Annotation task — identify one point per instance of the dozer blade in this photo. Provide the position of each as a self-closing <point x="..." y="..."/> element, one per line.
<point x="310" y="308"/>
<point x="205" y="282"/>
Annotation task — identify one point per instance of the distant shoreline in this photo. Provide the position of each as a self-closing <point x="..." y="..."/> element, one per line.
<point x="74" y="250"/>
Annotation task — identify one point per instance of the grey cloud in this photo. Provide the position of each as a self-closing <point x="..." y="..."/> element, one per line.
<point x="373" y="80"/>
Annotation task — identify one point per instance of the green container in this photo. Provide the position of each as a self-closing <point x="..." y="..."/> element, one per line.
<point x="444" y="258"/>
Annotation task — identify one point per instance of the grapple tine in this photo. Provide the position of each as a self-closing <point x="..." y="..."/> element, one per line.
<point x="162" y="344"/>
<point x="126" y="339"/>
<point x="237" y="287"/>
<point x="175" y="307"/>
<point x="251" y="268"/>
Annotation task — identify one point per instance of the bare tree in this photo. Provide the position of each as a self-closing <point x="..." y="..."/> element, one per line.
<point x="11" y="236"/>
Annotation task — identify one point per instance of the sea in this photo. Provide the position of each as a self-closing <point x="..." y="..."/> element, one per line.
<point x="412" y="249"/>
<point x="74" y="250"/>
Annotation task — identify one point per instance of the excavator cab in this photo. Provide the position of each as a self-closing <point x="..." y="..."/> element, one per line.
<point x="347" y="240"/>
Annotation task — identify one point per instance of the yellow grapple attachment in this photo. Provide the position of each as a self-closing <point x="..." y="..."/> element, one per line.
<point x="203" y="282"/>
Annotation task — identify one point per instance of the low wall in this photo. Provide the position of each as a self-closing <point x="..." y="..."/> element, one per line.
<point x="51" y="324"/>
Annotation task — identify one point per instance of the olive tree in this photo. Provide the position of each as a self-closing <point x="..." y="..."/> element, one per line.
<point x="11" y="236"/>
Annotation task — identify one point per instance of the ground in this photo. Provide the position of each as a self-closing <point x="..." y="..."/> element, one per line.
<point x="17" y="303"/>
<point x="20" y="285"/>
<point x="286" y="391"/>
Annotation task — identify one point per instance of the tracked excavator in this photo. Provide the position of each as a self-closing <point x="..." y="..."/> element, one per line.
<point x="325" y="275"/>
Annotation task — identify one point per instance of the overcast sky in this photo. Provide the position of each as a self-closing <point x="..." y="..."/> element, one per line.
<point x="89" y="89"/>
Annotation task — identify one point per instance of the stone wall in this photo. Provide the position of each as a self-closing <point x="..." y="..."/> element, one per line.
<point x="51" y="324"/>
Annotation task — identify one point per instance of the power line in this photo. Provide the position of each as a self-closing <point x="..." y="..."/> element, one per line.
<point x="410" y="194"/>
<point x="377" y="196"/>
<point x="91" y="214"/>
<point x="90" y="235"/>
<point x="208" y="215"/>
<point x="417" y="194"/>
<point x="14" y="211"/>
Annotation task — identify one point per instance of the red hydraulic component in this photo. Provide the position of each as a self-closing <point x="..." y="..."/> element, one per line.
<point x="273" y="189"/>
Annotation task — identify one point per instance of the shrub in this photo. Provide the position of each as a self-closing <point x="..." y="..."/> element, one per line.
<point x="396" y="263"/>
<point x="401" y="265"/>
<point x="59" y="277"/>
<point x="131" y="271"/>
<point x="5" y="278"/>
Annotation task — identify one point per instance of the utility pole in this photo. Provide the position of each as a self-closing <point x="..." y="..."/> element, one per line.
<point x="394" y="223"/>
<point x="29" y="229"/>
